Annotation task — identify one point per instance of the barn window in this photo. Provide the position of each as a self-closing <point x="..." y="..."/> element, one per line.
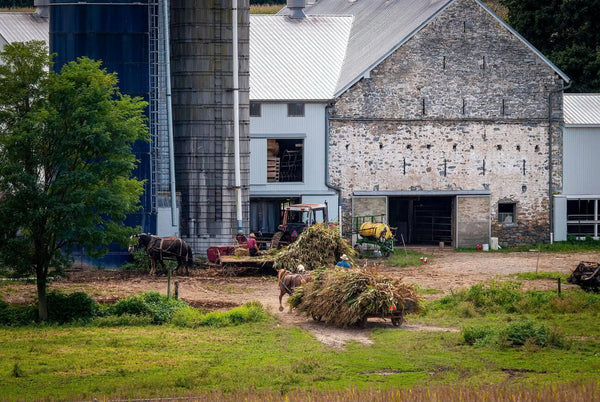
<point x="507" y="212"/>
<point x="295" y="109"/>
<point x="255" y="109"/>
<point x="285" y="160"/>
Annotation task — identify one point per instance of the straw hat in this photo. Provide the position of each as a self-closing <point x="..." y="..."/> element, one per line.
<point x="344" y="257"/>
<point x="252" y="235"/>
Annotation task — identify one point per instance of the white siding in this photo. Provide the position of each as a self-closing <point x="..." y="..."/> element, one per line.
<point x="258" y="161"/>
<point x="581" y="167"/>
<point x="274" y="123"/>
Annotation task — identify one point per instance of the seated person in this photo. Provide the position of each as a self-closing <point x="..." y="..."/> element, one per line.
<point x="344" y="262"/>
<point x="252" y="245"/>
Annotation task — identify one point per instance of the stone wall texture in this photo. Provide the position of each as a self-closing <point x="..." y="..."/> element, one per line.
<point x="462" y="105"/>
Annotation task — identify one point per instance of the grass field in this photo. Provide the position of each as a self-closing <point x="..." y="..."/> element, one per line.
<point x="266" y="361"/>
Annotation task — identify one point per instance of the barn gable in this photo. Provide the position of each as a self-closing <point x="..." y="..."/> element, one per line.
<point x="452" y="127"/>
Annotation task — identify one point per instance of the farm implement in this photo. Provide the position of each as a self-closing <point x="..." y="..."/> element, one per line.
<point x="374" y="237"/>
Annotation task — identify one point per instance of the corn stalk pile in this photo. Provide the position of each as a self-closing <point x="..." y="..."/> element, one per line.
<point x="345" y="296"/>
<point x="318" y="246"/>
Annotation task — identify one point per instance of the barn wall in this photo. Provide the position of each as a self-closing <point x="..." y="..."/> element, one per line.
<point x="462" y="105"/>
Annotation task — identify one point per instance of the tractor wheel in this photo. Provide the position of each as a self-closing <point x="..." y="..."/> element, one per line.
<point x="276" y="240"/>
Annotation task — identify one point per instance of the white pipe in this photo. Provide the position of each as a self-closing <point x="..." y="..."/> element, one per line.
<point x="236" y="115"/>
<point x="174" y="217"/>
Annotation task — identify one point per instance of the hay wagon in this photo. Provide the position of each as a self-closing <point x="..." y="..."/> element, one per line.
<point x="396" y="316"/>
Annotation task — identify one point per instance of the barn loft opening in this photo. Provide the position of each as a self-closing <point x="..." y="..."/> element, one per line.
<point x="285" y="160"/>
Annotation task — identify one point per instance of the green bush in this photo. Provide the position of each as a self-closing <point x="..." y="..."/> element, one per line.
<point x="15" y="316"/>
<point x="524" y="332"/>
<point x="496" y="297"/>
<point x="64" y="308"/>
<point x="140" y="261"/>
<point x="480" y="335"/>
<point x="152" y="304"/>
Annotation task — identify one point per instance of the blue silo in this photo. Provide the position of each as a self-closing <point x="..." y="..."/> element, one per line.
<point x="116" y="33"/>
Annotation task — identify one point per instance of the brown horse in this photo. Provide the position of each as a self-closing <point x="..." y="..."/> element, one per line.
<point x="164" y="248"/>
<point x="288" y="282"/>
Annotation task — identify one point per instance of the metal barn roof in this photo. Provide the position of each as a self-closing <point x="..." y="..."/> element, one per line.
<point x="581" y="109"/>
<point x="23" y="27"/>
<point x="296" y="59"/>
<point x="382" y="26"/>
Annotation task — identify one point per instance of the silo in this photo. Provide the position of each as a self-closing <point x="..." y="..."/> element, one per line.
<point x="117" y="34"/>
<point x="202" y="86"/>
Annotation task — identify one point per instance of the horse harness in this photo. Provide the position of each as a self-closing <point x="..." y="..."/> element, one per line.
<point x="169" y="250"/>
<point x="293" y="284"/>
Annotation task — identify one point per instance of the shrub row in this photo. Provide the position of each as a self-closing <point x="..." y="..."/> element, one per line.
<point x="144" y="309"/>
<point x="507" y="297"/>
<point x="518" y="333"/>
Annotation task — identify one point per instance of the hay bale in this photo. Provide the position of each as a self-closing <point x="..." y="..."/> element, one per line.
<point x="344" y="296"/>
<point x="319" y="246"/>
<point x="241" y="252"/>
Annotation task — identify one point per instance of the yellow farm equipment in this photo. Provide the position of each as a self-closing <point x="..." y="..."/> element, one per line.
<point x="372" y="232"/>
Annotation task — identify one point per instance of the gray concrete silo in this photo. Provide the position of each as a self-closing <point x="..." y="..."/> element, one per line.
<point x="202" y="87"/>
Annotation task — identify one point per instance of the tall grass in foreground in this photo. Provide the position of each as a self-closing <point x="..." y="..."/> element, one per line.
<point x="574" y="392"/>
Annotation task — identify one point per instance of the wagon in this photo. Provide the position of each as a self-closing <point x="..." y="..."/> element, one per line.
<point x="396" y="316"/>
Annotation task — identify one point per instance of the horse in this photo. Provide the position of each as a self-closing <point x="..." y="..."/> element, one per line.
<point x="164" y="248"/>
<point x="288" y="282"/>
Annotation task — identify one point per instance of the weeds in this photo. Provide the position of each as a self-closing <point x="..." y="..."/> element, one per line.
<point x="507" y="297"/>
<point x="531" y="276"/>
<point x="408" y="259"/>
<point x="152" y="304"/>
<point x="192" y="318"/>
<point x="518" y="333"/>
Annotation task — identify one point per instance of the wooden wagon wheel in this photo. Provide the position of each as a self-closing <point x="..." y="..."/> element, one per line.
<point x="229" y="270"/>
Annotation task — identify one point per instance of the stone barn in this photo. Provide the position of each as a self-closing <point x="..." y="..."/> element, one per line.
<point x="446" y="122"/>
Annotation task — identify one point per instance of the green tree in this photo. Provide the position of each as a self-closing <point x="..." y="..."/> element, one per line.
<point x="565" y="31"/>
<point x="65" y="161"/>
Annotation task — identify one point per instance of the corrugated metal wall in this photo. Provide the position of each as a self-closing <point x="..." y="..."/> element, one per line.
<point x="117" y="34"/>
<point x="202" y="83"/>
<point x="580" y="153"/>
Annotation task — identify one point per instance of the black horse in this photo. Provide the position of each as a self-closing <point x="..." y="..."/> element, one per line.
<point x="164" y="248"/>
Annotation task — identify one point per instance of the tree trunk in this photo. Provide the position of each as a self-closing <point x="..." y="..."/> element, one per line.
<point x="41" y="290"/>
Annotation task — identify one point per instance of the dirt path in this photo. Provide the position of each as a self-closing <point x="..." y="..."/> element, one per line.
<point x="446" y="271"/>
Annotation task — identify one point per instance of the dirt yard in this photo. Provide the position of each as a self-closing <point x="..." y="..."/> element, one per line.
<point x="446" y="271"/>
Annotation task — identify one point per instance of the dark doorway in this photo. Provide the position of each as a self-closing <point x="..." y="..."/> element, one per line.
<point x="422" y="220"/>
<point x="267" y="213"/>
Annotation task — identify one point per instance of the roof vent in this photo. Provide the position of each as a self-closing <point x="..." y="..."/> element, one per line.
<point x="296" y="8"/>
<point x="42" y="7"/>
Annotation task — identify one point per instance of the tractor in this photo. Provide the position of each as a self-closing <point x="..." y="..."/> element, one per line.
<point x="296" y="219"/>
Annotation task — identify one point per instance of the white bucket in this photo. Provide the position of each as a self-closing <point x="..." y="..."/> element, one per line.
<point x="494" y="243"/>
<point x="486" y="247"/>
